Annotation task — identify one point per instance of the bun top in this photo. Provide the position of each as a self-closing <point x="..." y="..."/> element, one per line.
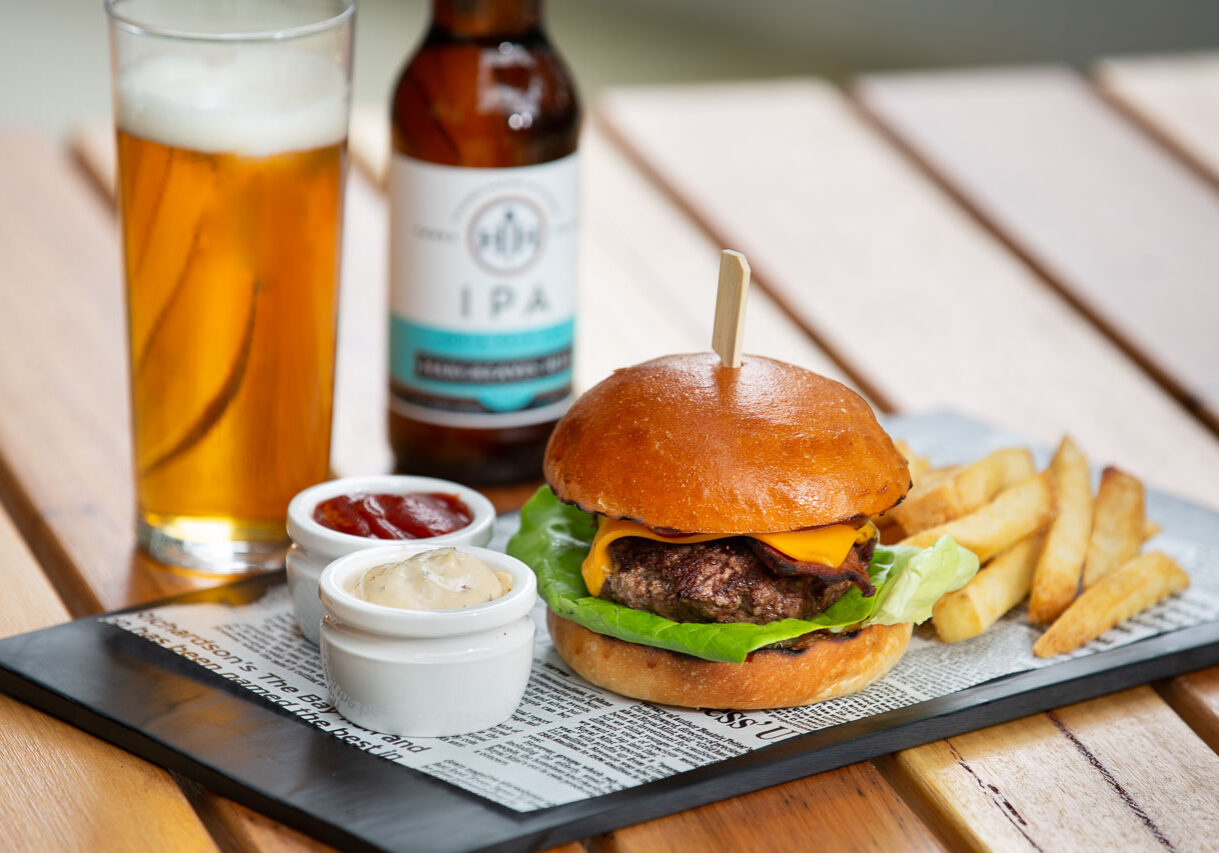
<point x="685" y="443"/>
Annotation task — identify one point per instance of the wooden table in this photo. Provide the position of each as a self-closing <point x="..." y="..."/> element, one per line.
<point x="1033" y="247"/>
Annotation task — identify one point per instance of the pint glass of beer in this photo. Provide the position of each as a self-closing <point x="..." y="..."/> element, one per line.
<point x="232" y="124"/>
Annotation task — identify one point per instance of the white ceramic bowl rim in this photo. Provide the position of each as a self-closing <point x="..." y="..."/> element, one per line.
<point x="311" y="536"/>
<point x="398" y="622"/>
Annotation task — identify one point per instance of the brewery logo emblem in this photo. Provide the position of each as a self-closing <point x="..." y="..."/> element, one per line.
<point x="506" y="235"/>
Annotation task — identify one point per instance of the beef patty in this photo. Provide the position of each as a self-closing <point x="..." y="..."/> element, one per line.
<point x="724" y="580"/>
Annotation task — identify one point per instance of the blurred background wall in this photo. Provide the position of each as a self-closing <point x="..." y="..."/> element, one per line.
<point x="54" y="69"/>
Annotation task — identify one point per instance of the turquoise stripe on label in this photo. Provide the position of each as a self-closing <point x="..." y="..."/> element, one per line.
<point x="504" y="371"/>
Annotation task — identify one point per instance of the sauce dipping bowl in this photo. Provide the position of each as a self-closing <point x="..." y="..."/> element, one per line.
<point x="315" y="546"/>
<point x="426" y="673"/>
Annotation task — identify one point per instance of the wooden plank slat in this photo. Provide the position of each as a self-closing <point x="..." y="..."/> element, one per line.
<point x="922" y="305"/>
<point x="60" y="788"/>
<point x="929" y="309"/>
<point x="1175" y="98"/>
<point x="851" y="808"/>
<point x="1111" y="774"/>
<point x="1119" y="224"/>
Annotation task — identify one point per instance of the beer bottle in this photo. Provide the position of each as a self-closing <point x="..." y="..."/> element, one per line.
<point x="483" y="188"/>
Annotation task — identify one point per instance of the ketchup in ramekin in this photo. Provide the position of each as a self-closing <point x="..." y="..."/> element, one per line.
<point x="417" y="515"/>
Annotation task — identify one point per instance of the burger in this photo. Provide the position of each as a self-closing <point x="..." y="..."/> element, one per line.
<point x="705" y="537"/>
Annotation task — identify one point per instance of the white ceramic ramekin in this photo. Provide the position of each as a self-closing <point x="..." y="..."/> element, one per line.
<point x="426" y="673"/>
<point x="315" y="546"/>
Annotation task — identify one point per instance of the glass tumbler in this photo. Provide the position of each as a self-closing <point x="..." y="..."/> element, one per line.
<point x="231" y="121"/>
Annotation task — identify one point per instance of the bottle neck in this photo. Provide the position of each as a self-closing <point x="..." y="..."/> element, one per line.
<point x="486" y="18"/>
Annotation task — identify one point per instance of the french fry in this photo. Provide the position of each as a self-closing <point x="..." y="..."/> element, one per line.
<point x="1015" y="513"/>
<point x="931" y="478"/>
<point x="1056" y="578"/>
<point x="1117" y="525"/>
<point x="1137" y="585"/>
<point x="919" y="465"/>
<point x="965" y="491"/>
<point x="890" y="530"/>
<point x="1151" y="530"/>
<point x="997" y="588"/>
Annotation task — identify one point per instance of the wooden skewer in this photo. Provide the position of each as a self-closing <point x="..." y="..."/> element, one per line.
<point x="728" y="336"/>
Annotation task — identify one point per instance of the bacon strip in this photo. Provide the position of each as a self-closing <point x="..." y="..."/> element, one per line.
<point x="854" y="568"/>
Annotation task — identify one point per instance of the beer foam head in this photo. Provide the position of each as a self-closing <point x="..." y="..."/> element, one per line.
<point x="254" y="101"/>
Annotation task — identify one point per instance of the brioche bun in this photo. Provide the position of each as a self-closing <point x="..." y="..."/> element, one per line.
<point x="684" y="443"/>
<point x="769" y="678"/>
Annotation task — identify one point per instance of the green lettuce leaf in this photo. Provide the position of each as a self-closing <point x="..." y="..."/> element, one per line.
<point x="917" y="579"/>
<point x="554" y="539"/>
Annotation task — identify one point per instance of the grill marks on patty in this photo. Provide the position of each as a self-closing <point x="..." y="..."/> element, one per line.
<point x="724" y="580"/>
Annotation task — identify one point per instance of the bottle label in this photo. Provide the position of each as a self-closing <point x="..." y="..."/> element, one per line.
<point x="482" y="291"/>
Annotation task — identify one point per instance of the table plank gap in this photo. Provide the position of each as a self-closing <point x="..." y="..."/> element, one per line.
<point x="238" y="829"/>
<point x="1175" y="99"/>
<point x="1118" y="226"/>
<point x="938" y="820"/>
<point x="1195" y="698"/>
<point x="92" y="149"/>
<point x="48" y="549"/>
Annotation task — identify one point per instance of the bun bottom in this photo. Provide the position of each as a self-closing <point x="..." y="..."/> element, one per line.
<point x="769" y="678"/>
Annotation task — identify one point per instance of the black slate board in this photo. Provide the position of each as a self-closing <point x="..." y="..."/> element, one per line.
<point x="174" y="713"/>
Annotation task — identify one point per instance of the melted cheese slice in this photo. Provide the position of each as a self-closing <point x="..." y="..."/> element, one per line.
<point x="826" y="545"/>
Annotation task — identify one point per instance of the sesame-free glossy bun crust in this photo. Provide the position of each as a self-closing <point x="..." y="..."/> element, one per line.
<point x="686" y="443"/>
<point x="769" y="678"/>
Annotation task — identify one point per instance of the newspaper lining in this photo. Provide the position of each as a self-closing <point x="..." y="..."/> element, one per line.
<point x="569" y="740"/>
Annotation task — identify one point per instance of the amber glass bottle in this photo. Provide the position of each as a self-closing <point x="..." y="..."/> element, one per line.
<point x="483" y="244"/>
